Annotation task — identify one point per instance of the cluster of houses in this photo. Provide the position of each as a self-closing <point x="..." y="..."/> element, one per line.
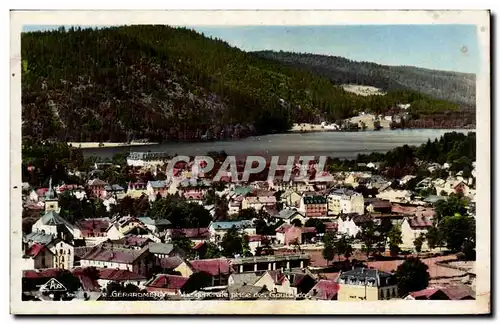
<point x="138" y="250"/>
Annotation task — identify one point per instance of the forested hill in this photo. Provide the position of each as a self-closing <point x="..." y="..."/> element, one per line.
<point x="164" y="83"/>
<point x="453" y="86"/>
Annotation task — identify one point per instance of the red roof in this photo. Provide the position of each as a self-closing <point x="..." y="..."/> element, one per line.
<point x="93" y="225"/>
<point x="42" y="191"/>
<point x="68" y="187"/>
<point x="308" y="229"/>
<point x="127" y="256"/>
<point x="119" y="275"/>
<point x="427" y="293"/>
<point x="213" y="267"/>
<point x="255" y="238"/>
<point x="201" y="232"/>
<point x="325" y="290"/>
<point x="168" y="281"/>
<point x="198" y="245"/>
<point x="420" y="222"/>
<point x="170" y="262"/>
<point x="35" y="249"/>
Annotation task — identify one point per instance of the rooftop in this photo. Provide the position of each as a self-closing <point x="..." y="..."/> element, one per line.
<point x="270" y="258"/>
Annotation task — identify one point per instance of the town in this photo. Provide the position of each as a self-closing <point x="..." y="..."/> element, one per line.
<point x="395" y="225"/>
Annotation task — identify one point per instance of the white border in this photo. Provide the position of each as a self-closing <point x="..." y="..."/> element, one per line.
<point x="479" y="18"/>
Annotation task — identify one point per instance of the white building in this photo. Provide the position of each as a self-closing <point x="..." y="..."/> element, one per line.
<point x="344" y="201"/>
<point x="147" y="159"/>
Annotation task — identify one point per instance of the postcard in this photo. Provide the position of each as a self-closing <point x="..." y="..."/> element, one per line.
<point x="250" y="162"/>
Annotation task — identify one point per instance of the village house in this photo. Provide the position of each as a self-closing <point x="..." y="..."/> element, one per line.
<point x="314" y="206"/>
<point x="350" y="224"/>
<point x="218" y="269"/>
<point x="195" y="197"/>
<point x="155" y="188"/>
<point x="345" y="201"/>
<point x="255" y="241"/>
<point x="289" y="234"/>
<point x="451" y="186"/>
<point x="115" y="191"/>
<point x="354" y="178"/>
<point x="96" y="187"/>
<point x="36" y="256"/>
<point x="138" y="261"/>
<point x="291" y="198"/>
<point x="404" y="180"/>
<point x="247" y="278"/>
<point x="121" y="276"/>
<point x="156" y="226"/>
<point x="455" y="291"/>
<point x="137" y="189"/>
<point x="366" y="284"/>
<point x="258" y="202"/>
<point x="395" y="196"/>
<point x="375" y="205"/>
<point x="288" y="215"/>
<point x="147" y="159"/>
<point x="413" y="227"/>
<point x="170" y="264"/>
<point x="165" y="250"/>
<point x="93" y="230"/>
<point x="219" y="229"/>
<point x="166" y="284"/>
<point x="63" y="252"/>
<point x="276" y="281"/>
<point x="234" y="206"/>
<point x="301" y="279"/>
<point x="73" y="189"/>
<point x="324" y="290"/>
<point x="129" y="225"/>
<point x="196" y="235"/>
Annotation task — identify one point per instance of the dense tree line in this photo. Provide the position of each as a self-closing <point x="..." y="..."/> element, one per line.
<point x="164" y="83"/>
<point x="453" y="86"/>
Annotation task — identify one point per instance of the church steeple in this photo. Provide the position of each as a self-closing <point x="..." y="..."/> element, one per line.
<point x="51" y="202"/>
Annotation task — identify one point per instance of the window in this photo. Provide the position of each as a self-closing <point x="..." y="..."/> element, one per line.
<point x="62" y="259"/>
<point x="61" y="251"/>
<point x="69" y="252"/>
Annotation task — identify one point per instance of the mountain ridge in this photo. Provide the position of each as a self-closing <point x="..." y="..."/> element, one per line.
<point x="332" y="66"/>
<point x="162" y="83"/>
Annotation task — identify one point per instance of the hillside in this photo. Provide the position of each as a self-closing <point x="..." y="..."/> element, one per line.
<point x="456" y="87"/>
<point x="163" y="83"/>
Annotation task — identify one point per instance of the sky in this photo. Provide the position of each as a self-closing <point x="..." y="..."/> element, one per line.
<point x="441" y="47"/>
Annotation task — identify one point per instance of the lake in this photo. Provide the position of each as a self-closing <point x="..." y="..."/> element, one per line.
<point x="344" y="145"/>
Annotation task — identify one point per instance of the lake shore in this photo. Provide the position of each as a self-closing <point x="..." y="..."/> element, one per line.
<point x="88" y="145"/>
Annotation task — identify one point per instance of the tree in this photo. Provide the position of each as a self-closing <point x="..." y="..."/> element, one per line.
<point x="182" y="242"/>
<point x="411" y="275"/>
<point x="233" y="243"/>
<point x="248" y="213"/>
<point x="197" y="281"/>
<point x="318" y="224"/>
<point x="418" y="242"/>
<point x="343" y="246"/>
<point x="212" y="251"/>
<point x="458" y="231"/>
<point x="297" y="223"/>
<point x="395" y="239"/>
<point x="329" y="242"/>
<point x="434" y="237"/>
<point x="369" y="236"/>
<point x="452" y="205"/>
